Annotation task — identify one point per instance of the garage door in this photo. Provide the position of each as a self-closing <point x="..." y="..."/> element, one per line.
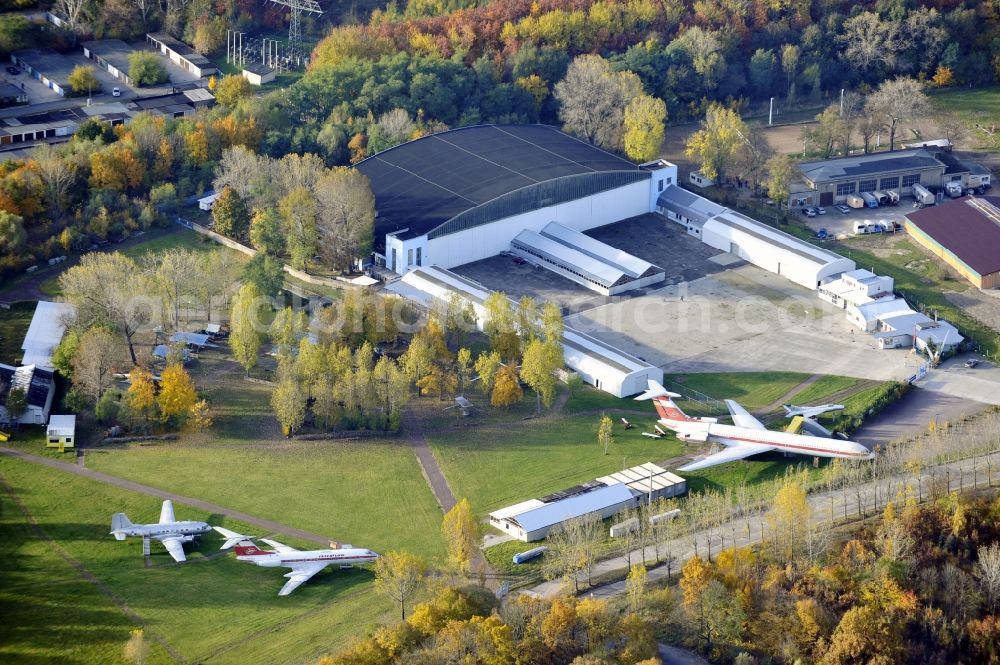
<point x="826" y="199"/>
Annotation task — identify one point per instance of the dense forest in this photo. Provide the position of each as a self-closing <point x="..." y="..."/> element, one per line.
<point x="430" y="65"/>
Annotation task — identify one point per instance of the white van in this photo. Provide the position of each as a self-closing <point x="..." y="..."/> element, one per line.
<point x="116" y="92"/>
<point x="860" y="228"/>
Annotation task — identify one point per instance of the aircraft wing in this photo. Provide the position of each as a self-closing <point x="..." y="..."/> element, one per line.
<point x="279" y="547"/>
<point x="176" y="549"/>
<point x="741" y="417"/>
<point x="731" y="454"/>
<point x="167" y="512"/>
<point x="300" y="573"/>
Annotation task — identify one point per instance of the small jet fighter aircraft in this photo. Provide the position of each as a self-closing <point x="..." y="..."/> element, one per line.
<point x="746" y="437"/>
<point x="810" y="411"/>
<point x="168" y="530"/>
<point x="304" y="563"/>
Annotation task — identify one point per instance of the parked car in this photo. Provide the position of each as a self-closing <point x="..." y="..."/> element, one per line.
<point x="13" y="70"/>
<point x="860" y="228"/>
<point x="808" y="212"/>
<point x="822" y="234"/>
<point x="518" y="260"/>
<point x="116" y="92"/>
<point x="970" y="363"/>
<point x="844" y="209"/>
<point x="820" y="211"/>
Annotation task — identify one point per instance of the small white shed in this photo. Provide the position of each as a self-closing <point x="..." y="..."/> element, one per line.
<point x="206" y="202"/>
<point x="61" y="432"/>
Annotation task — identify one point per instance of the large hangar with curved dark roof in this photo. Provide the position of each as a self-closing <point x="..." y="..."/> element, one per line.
<point x="464" y="194"/>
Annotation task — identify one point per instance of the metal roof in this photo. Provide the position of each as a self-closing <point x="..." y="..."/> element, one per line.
<point x="688" y="204"/>
<point x="181" y="49"/>
<point x="644" y="478"/>
<point x="196" y="339"/>
<point x="45" y="331"/>
<point x="422" y="184"/>
<point x="744" y="224"/>
<point x="35" y="381"/>
<point x="569" y="257"/>
<point x="516" y="509"/>
<point x="578" y="505"/>
<point x="868" y="165"/>
<point x="968" y="227"/>
<point x="626" y="263"/>
<point x="62" y="424"/>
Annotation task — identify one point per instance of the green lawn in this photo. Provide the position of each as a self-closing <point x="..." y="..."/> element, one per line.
<point x="366" y="492"/>
<point x="753" y="390"/>
<point x="14" y="324"/>
<point x="212" y="609"/>
<point x="181" y="239"/>
<point x="976" y="106"/>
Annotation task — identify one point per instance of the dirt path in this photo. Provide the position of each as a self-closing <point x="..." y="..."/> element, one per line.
<point x="86" y="574"/>
<point x="30" y="288"/>
<point x="71" y="467"/>
<point x="786" y="398"/>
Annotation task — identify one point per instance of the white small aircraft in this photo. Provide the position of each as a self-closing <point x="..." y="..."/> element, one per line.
<point x="810" y="411"/>
<point x="168" y="530"/>
<point x="304" y="563"/>
<point x="747" y="437"/>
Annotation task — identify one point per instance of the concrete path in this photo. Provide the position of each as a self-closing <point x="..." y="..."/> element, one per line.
<point x="414" y="431"/>
<point x="840" y="504"/>
<point x="677" y="656"/>
<point x="269" y="526"/>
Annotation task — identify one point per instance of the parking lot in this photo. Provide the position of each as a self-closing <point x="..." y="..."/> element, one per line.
<point x="839" y="224"/>
<point x="742" y="319"/>
<point x="649" y="237"/>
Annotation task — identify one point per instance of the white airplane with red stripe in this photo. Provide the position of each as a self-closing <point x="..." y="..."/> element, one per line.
<point x="747" y="437"/>
<point x="304" y="563"/>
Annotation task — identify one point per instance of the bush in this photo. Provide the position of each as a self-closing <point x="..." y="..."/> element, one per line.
<point x="108" y="407"/>
<point x="145" y="68"/>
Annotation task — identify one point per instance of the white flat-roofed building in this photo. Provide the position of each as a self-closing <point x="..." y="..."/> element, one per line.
<point x="598" y="363"/>
<point x="866" y="315"/>
<point x="584" y="260"/>
<point x="856" y="287"/>
<point x="773" y="250"/>
<point x="48" y="324"/>
<point x="498" y="518"/>
<point x="61" y="431"/>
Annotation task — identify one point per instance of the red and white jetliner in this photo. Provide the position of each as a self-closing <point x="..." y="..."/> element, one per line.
<point x="304" y="563"/>
<point x="747" y="437"/>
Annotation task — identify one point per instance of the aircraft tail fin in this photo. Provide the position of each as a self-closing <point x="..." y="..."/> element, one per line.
<point x="663" y="401"/>
<point x="246" y="548"/>
<point x="119" y="523"/>
<point x="232" y="538"/>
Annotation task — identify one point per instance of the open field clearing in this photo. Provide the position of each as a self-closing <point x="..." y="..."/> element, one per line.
<point x="211" y="609"/>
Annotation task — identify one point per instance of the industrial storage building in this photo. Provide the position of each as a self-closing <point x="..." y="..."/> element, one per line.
<point x="856" y="287"/>
<point x="39" y="388"/>
<point x="831" y="181"/>
<point x="692" y="211"/>
<point x="607" y="496"/>
<point x="463" y="195"/>
<point x="895" y="324"/>
<point x="597" y="362"/>
<point x="965" y="233"/>
<point x="773" y="250"/>
<point x="584" y="260"/>
<point x="181" y="54"/>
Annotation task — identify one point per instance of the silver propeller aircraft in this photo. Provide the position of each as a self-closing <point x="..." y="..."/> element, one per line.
<point x="168" y="530"/>
<point x="304" y="563"/>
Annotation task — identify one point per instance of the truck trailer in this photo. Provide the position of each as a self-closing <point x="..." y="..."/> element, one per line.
<point x="855" y="201"/>
<point x="870" y="200"/>
<point x="923" y="195"/>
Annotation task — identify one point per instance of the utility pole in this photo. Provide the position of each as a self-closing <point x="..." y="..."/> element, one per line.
<point x="770" y="113"/>
<point x="841" y="102"/>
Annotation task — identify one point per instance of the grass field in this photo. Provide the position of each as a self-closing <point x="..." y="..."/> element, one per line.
<point x="753" y="390"/>
<point x="212" y="609"/>
<point x="975" y="106"/>
<point x="366" y="492"/>
<point x="14" y="324"/>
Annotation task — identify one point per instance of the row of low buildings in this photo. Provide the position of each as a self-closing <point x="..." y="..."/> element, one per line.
<point x="598" y="363"/>
<point x="605" y="497"/>
<point x="30" y="128"/>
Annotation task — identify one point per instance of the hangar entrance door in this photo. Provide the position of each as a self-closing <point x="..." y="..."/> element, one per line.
<point x="826" y="199"/>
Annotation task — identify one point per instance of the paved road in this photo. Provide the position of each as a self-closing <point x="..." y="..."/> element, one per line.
<point x="749" y="531"/>
<point x="981" y="384"/>
<point x="911" y="415"/>
<point x="267" y="525"/>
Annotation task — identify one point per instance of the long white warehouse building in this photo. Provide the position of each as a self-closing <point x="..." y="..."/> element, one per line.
<point x="462" y="195"/>
<point x="598" y="363"/>
<point x="762" y="245"/>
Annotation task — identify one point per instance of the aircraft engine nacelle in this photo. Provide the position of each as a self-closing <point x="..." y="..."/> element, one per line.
<point x="187" y="539"/>
<point x="699" y="436"/>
